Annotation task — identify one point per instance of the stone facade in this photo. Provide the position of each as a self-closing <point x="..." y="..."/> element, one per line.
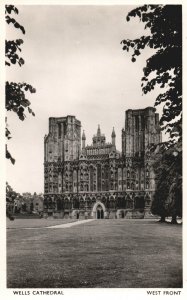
<point x="98" y="181"/>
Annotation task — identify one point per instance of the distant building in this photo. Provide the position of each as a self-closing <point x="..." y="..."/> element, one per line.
<point x="38" y="202"/>
<point x="32" y="203"/>
<point x="97" y="181"/>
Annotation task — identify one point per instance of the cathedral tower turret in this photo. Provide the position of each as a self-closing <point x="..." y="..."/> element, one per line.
<point x="98" y="131"/>
<point x="113" y="137"/>
<point x="83" y="140"/>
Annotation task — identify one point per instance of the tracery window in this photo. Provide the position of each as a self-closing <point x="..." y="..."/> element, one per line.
<point x="128" y="185"/>
<point x="147" y="184"/>
<point x="91" y="178"/>
<point x="99" y="177"/>
<point x="132" y="185"/>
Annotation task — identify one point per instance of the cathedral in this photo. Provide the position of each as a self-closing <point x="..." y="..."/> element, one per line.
<point x="98" y="181"/>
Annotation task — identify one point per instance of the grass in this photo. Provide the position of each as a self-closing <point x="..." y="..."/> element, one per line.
<point x="100" y="254"/>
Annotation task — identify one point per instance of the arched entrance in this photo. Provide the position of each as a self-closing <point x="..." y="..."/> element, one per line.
<point x="99" y="210"/>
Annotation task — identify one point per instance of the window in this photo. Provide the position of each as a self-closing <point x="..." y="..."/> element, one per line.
<point x="137" y="123"/>
<point x="99" y="177"/>
<point x="59" y="131"/>
<point x="142" y="123"/>
<point x="91" y="178"/>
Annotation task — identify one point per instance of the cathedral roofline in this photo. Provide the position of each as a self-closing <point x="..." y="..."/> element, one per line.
<point x="107" y="145"/>
<point x="60" y="119"/>
<point x="142" y="109"/>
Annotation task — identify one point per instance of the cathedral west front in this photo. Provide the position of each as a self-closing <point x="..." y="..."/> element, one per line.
<point x="98" y="181"/>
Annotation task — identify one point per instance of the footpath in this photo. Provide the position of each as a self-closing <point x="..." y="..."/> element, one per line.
<point x="70" y="224"/>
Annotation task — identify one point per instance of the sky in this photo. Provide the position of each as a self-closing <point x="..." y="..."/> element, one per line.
<point x="74" y="59"/>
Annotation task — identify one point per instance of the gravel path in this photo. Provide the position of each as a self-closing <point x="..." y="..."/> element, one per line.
<point x="70" y="224"/>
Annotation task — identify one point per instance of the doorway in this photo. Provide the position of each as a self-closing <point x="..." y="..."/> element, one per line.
<point x="99" y="212"/>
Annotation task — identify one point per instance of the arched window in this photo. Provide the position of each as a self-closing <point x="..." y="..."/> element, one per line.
<point x="112" y="203"/>
<point x="91" y="178"/>
<point x="82" y="203"/>
<point x="66" y="204"/>
<point x="66" y="147"/>
<point x="136" y="123"/>
<point x="99" y="177"/>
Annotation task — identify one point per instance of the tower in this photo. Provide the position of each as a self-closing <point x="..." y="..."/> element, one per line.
<point x="63" y="141"/>
<point x="99" y="139"/>
<point x="72" y="138"/>
<point x="141" y="130"/>
<point x="62" y="144"/>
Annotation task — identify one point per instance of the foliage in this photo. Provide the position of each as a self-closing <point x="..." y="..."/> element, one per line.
<point x="16" y="100"/>
<point x="164" y="67"/>
<point x="167" y="199"/>
<point x="10" y="193"/>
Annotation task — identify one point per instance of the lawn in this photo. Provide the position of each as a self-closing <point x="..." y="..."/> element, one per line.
<point x="101" y="254"/>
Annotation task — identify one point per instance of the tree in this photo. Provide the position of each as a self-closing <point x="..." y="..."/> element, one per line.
<point x="167" y="200"/>
<point x="16" y="100"/>
<point x="10" y="197"/>
<point x="164" y="67"/>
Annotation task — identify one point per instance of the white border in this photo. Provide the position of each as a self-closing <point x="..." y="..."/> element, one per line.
<point x="84" y="293"/>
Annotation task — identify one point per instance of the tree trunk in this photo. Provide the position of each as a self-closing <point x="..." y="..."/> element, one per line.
<point x="174" y="219"/>
<point x="162" y="219"/>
